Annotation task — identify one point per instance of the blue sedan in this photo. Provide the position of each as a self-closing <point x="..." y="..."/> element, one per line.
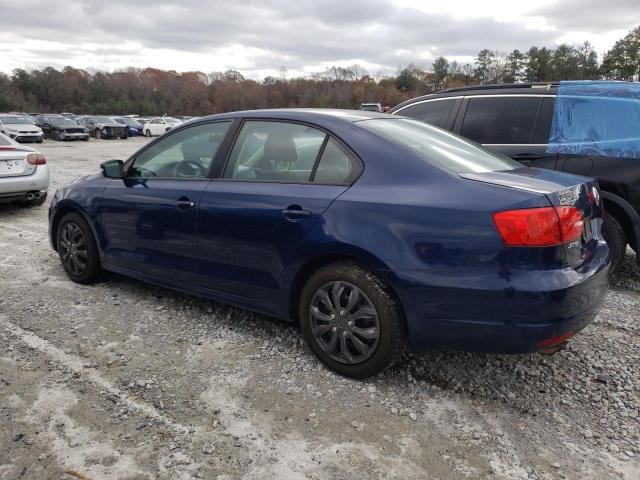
<point x="369" y="231"/>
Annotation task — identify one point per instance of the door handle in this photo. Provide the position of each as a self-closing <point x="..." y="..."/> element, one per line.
<point x="184" y="204"/>
<point x="294" y="212"/>
<point x="527" y="156"/>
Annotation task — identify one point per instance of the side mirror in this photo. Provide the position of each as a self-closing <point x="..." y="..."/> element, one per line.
<point x="112" y="168"/>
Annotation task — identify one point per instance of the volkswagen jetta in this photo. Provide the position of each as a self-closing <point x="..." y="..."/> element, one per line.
<point x="369" y="230"/>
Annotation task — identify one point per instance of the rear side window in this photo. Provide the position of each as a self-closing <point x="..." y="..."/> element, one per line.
<point x="434" y="112"/>
<point x="543" y="124"/>
<point x="500" y="120"/>
<point x="269" y="151"/>
<point x="336" y="166"/>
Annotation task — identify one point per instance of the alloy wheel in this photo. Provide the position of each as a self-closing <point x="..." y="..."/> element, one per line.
<point x="73" y="249"/>
<point x="344" y="322"/>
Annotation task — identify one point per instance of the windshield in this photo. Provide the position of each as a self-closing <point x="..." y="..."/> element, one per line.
<point x="438" y="147"/>
<point x="102" y="120"/>
<point x="171" y="120"/>
<point x="16" y="120"/>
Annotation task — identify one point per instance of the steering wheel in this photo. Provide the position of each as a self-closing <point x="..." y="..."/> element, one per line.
<point x="188" y="169"/>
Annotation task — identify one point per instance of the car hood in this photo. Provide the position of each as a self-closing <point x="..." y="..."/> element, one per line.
<point x="65" y="125"/>
<point x="22" y="126"/>
<point x="109" y="124"/>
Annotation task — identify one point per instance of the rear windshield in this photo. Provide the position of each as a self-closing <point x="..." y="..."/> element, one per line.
<point x="438" y="147"/>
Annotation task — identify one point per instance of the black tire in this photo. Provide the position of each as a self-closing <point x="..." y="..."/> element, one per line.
<point x="147" y="133"/>
<point x="39" y="140"/>
<point x="614" y="234"/>
<point x="92" y="270"/>
<point x="85" y="139"/>
<point x="36" y="202"/>
<point x="390" y="342"/>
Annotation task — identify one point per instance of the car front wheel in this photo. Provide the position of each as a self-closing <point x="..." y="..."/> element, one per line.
<point x="147" y="133"/>
<point x="77" y="249"/>
<point x="351" y="321"/>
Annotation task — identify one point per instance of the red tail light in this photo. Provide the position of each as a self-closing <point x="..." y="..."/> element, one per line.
<point x="539" y="227"/>
<point x="7" y="148"/>
<point x="36" y="159"/>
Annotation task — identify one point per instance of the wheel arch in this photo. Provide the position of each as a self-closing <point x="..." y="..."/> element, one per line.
<point x="362" y="259"/>
<point x="629" y="219"/>
<point x="59" y="215"/>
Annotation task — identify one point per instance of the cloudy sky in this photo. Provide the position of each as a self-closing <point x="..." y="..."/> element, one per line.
<point x="305" y="36"/>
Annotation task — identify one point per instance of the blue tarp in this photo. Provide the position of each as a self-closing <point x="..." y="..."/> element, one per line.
<point x="596" y="118"/>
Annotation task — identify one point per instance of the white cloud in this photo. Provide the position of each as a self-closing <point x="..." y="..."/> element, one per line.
<point x="257" y="37"/>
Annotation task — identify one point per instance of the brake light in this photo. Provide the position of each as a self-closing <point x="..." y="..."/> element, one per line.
<point x="7" y="148"/>
<point x="539" y="227"/>
<point x="36" y="159"/>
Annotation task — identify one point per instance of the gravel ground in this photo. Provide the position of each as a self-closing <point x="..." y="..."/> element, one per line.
<point x="123" y="380"/>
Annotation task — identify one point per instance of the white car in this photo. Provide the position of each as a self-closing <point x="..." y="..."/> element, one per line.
<point x="24" y="173"/>
<point x="159" y="126"/>
<point x="21" y="129"/>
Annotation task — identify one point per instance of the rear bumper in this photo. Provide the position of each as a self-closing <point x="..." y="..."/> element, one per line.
<point x="15" y="188"/>
<point x="522" y="312"/>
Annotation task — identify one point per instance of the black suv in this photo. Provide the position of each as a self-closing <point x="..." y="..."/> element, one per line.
<point x="515" y="119"/>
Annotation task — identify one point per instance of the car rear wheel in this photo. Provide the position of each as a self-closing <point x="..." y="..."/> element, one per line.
<point x="614" y="234"/>
<point x="147" y="133"/>
<point x="351" y="321"/>
<point x="77" y="249"/>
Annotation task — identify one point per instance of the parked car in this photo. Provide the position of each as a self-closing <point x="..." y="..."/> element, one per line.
<point x="24" y="174"/>
<point x="104" y="127"/>
<point x="21" y="129"/>
<point x="160" y="126"/>
<point x="371" y="107"/>
<point x="58" y="127"/>
<point x="300" y="215"/>
<point x="516" y="120"/>
<point x="134" y="128"/>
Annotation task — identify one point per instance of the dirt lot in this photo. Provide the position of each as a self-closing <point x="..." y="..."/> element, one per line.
<point x="123" y="380"/>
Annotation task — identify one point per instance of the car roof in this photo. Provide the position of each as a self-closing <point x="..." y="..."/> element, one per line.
<point x="313" y="115"/>
<point x="479" y="90"/>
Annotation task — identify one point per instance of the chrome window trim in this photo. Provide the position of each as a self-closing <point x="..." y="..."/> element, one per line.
<point x="514" y="144"/>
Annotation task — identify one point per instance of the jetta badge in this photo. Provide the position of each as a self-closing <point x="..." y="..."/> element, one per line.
<point x="567" y="197"/>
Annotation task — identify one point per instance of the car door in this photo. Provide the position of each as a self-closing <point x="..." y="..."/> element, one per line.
<point x="515" y="125"/>
<point x="149" y="217"/>
<point x="274" y="188"/>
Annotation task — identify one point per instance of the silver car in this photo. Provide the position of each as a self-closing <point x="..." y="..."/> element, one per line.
<point x="24" y="173"/>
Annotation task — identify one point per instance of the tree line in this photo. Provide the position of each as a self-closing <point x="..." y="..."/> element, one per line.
<point x="152" y="91"/>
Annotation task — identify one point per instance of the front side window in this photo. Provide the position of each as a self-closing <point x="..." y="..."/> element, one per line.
<point x="268" y="151"/>
<point x="500" y="120"/>
<point x="438" y="147"/>
<point x="185" y="154"/>
<point x="434" y="112"/>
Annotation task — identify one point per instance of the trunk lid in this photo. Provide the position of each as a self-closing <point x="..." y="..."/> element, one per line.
<point x="13" y="162"/>
<point x="561" y="190"/>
